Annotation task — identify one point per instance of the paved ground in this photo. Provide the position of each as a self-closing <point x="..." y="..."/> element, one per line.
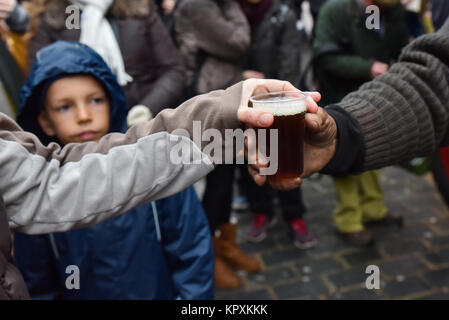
<point x="414" y="261"/>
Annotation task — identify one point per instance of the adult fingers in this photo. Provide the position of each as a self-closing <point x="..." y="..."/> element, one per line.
<point x="315" y="95"/>
<point x="285" y="184"/>
<point x="254" y="173"/>
<point x="315" y="121"/>
<point x="255" y="117"/>
<point x="253" y="87"/>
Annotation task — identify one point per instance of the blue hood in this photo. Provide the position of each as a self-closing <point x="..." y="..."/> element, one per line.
<point x="65" y="58"/>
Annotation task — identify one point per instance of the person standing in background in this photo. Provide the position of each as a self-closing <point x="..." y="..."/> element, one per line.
<point x="350" y="54"/>
<point x="213" y="36"/>
<point x="273" y="54"/>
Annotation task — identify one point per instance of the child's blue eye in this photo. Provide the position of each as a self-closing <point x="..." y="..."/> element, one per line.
<point x="63" y="108"/>
<point x="97" y="100"/>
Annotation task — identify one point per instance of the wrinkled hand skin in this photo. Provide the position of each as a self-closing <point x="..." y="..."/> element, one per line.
<point x="320" y="142"/>
<point x="321" y="131"/>
<point x="320" y="147"/>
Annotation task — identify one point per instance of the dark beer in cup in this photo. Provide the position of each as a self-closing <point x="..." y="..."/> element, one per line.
<point x="288" y="109"/>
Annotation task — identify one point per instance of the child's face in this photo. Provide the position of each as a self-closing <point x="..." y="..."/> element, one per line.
<point x="76" y="110"/>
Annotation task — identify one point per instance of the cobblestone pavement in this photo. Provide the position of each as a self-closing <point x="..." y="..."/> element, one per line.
<point x="413" y="261"/>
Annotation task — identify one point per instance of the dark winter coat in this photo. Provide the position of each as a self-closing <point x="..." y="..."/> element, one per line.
<point x="341" y="25"/>
<point x="275" y="43"/>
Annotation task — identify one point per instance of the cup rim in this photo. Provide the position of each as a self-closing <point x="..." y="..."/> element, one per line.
<point x="253" y="99"/>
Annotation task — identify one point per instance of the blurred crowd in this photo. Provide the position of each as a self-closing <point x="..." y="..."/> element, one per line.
<point x="112" y="64"/>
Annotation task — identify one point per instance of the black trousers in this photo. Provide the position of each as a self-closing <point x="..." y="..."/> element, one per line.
<point x="218" y="195"/>
<point x="261" y="198"/>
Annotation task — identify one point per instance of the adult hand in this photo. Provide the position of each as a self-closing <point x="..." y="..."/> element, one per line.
<point x="321" y="130"/>
<point x="378" y="68"/>
<point x="261" y="118"/>
<point x="319" y="147"/>
<point x="320" y="141"/>
<point x="252" y="74"/>
<point x="6" y="7"/>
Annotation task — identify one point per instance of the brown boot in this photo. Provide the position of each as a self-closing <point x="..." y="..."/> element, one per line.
<point x="390" y="218"/>
<point x="225" y="278"/>
<point x="228" y="249"/>
<point x="361" y="239"/>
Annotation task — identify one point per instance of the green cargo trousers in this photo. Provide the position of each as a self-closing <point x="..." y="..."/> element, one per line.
<point x="359" y="199"/>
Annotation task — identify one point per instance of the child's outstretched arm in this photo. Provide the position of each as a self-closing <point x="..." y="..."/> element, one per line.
<point x="49" y="189"/>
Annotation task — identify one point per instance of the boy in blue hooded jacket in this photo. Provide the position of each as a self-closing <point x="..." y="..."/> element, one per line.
<point x="161" y="250"/>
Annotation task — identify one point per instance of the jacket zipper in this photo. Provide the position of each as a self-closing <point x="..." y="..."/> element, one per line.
<point x="156" y="221"/>
<point x="54" y="247"/>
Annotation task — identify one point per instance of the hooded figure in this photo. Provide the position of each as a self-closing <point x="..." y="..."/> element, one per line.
<point x="161" y="250"/>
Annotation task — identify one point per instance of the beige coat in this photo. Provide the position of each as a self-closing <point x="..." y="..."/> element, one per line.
<point x="220" y="30"/>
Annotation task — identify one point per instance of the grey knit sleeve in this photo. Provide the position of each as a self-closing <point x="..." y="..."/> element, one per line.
<point x="405" y="113"/>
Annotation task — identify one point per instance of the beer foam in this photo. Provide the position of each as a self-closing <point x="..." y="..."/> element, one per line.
<point x="281" y="106"/>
